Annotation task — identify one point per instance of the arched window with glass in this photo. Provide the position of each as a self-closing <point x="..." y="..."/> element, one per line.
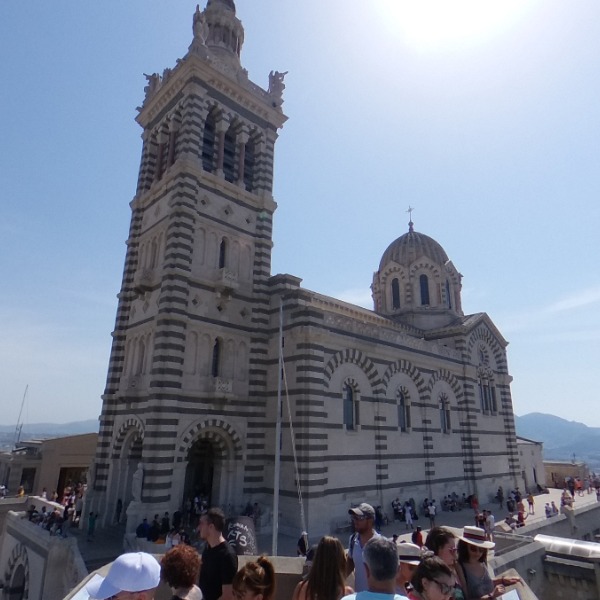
<point x="395" y="293"/>
<point x="223" y="254"/>
<point x="350" y="407"/>
<point x="403" y="407"/>
<point x="216" y="359"/>
<point x="445" y="423"/>
<point x="208" y="144"/>
<point x="424" y="286"/>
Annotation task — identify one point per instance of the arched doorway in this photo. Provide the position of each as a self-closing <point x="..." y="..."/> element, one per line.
<point x="127" y="454"/>
<point x="209" y="465"/>
<point x="16" y="591"/>
<point x="200" y="471"/>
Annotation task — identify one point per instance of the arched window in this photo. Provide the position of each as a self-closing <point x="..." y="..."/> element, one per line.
<point x="424" y="284"/>
<point x="223" y="254"/>
<point x="403" y="410"/>
<point x="350" y="408"/>
<point x="448" y="295"/>
<point x="445" y="424"/>
<point x="208" y="144"/>
<point x="487" y="396"/>
<point x="229" y="155"/>
<point x="249" y="164"/>
<point x="216" y="358"/>
<point x="395" y="293"/>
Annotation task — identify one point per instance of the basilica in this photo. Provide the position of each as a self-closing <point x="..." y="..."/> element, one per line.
<point x="410" y="399"/>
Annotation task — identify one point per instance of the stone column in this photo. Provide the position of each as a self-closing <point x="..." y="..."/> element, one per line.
<point x="158" y="170"/>
<point x="242" y="140"/>
<point x="221" y="128"/>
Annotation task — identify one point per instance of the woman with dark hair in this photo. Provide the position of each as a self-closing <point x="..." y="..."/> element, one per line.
<point x="433" y="580"/>
<point x="327" y="575"/>
<point x="255" y="580"/>
<point x="442" y="542"/>
<point x="180" y="567"/>
<point x="473" y="571"/>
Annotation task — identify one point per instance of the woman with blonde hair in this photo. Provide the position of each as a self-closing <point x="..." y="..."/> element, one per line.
<point x="255" y="580"/>
<point x="327" y="576"/>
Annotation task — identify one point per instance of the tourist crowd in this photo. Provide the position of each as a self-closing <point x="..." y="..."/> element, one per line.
<point x="442" y="567"/>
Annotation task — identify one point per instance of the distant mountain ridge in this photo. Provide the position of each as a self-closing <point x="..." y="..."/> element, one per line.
<point x="53" y="429"/>
<point x="562" y="439"/>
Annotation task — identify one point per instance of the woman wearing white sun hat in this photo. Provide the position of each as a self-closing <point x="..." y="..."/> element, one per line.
<point x="473" y="570"/>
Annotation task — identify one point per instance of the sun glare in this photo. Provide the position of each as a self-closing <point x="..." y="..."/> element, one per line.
<point x="431" y="24"/>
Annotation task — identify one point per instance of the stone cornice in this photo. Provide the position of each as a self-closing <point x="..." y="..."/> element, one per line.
<point x="467" y="324"/>
<point x="362" y="321"/>
<point x="243" y="91"/>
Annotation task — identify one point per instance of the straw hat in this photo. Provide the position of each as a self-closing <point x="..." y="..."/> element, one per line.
<point x="409" y="553"/>
<point x="476" y="537"/>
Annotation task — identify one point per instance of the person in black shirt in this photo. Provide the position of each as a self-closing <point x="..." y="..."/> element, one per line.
<point x="219" y="560"/>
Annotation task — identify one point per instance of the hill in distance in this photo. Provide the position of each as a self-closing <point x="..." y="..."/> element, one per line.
<point x="53" y="429"/>
<point x="561" y="438"/>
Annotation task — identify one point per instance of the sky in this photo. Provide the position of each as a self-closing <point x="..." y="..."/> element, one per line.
<point x="484" y="117"/>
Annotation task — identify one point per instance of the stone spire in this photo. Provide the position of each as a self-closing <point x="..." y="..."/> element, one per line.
<point x="219" y="30"/>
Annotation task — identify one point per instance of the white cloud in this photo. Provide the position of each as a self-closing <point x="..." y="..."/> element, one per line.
<point x="576" y="300"/>
<point x="533" y="318"/>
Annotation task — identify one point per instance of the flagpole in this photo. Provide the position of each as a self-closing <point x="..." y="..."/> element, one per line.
<point x="277" y="469"/>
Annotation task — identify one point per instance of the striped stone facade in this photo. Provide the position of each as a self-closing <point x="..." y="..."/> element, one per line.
<point x="191" y="392"/>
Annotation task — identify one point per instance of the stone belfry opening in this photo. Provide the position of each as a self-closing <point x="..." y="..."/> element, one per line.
<point x="190" y="329"/>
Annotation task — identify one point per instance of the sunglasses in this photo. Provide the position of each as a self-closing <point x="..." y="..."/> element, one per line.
<point x="444" y="587"/>
<point x="357" y="518"/>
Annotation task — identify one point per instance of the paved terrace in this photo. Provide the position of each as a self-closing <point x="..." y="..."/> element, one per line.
<point x="108" y="543"/>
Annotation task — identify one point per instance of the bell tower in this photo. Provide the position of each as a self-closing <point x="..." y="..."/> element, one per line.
<point x="192" y="324"/>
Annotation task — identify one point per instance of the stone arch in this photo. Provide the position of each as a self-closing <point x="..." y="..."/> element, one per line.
<point x="426" y="268"/>
<point x="451" y="380"/>
<point x="394" y="270"/>
<point x="18" y="559"/>
<point x="221" y="434"/>
<point x="133" y="423"/>
<point x="405" y="366"/>
<point x="363" y="362"/>
<point x="484" y="335"/>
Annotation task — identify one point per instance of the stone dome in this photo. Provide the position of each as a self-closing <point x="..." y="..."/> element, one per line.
<point x="411" y="246"/>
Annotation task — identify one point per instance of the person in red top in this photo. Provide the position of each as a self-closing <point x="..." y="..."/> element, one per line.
<point x="417" y="537"/>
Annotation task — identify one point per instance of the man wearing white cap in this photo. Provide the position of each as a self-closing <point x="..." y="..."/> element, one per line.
<point x="132" y="576"/>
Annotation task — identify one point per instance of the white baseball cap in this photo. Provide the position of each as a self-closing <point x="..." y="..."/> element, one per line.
<point x="131" y="572"/>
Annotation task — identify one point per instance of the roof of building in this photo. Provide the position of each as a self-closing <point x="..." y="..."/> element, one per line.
<point x="412" y="246"/>
<point x="523" y="440"/>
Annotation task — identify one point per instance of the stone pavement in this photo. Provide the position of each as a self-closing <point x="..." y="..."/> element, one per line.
<point x="464" y="517"/>
<point x="108" y="543"/>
